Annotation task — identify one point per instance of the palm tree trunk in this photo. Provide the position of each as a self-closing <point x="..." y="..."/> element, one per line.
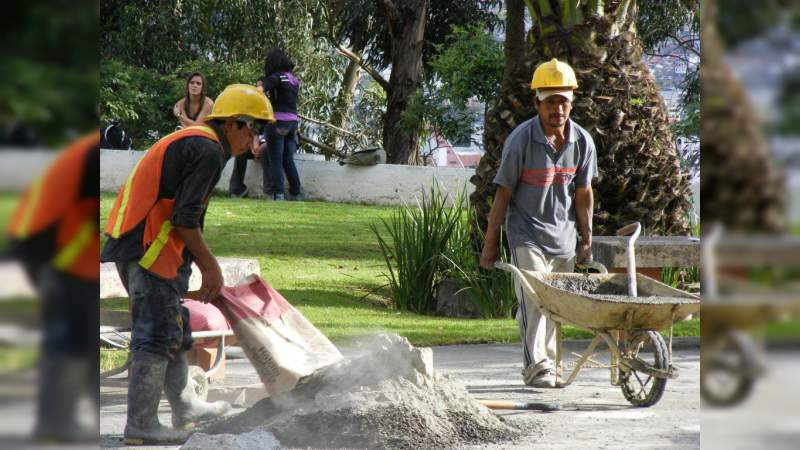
<point x="618" y="103"/>
<point x="739" y="187"/>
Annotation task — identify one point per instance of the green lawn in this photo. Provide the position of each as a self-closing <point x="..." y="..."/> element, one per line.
<point x="325" y="260"/>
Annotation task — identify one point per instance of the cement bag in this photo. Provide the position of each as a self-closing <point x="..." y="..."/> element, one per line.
<point x="279" y="342"/>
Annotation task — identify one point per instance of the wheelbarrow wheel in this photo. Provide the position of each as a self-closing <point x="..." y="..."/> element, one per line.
<point x="639" y="388"/>
<point x="197" y="377"/>
<point x="728" y="377"/>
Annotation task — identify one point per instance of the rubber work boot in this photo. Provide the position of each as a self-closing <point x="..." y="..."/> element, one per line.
<point x="146" y="381"/>
<point x="63" y="380"/>
<point x="187" y="407"/>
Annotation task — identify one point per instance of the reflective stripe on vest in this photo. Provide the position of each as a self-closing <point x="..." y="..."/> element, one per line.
<point x="138" y="202"/>
<point x="156" y="246"/>
<point x="67" y="255"/>
<point x="30" y="206"/>
<point x="126" y="192"/>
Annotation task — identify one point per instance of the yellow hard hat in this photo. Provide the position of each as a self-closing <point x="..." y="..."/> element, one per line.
<point x="554" y="74"/>
<point x="242" y="100"/>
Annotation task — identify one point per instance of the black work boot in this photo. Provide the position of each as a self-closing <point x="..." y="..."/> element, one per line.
<point x="144" y="392"/>
<point x="187" y="407"/>
<point x="62" y="383"/>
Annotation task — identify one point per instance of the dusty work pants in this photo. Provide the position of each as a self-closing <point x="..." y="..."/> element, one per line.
<point x="160" y="323"/>
<point x="537" y="332"/>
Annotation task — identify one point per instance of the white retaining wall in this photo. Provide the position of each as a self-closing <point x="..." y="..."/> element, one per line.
<point x="321" y="180"/>
<point x="384" y="184"/>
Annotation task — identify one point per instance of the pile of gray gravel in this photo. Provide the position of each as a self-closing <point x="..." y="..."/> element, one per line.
<point x="388" y="396"/>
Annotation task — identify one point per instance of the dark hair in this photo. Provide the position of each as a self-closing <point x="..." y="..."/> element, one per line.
<point x="277" y="61"/>
<point x="202" y="93"/>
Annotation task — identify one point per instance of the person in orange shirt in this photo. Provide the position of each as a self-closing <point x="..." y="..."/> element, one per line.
<point x="54" y="234"/>
<point x="154" y="234"/>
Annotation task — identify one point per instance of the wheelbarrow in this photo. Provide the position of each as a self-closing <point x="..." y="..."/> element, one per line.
<point x="120" y="337"/>
<point x="626" y="311"/>
<point x="731" y="360"/>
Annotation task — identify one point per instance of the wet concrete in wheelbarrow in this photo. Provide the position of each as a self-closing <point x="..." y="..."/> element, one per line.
<point x="610" y="292"/>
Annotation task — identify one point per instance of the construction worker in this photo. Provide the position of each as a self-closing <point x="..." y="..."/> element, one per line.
<point x="543" y="189"/>
<point x="54" y="234"/>
<point x="154" y="234"/>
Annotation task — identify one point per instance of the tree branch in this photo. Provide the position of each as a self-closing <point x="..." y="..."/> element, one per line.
<point x="367" y="68"/>
<point x="392" y="13"/>
<point x="670" y="55"/>
<point x="686" y="44"/>
<point x="326" y="149"/>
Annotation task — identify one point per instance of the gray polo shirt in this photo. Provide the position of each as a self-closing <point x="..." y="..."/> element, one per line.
<point x="542" y="184"/>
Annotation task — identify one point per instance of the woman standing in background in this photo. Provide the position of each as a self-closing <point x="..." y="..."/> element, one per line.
<point x="282" y="87"/>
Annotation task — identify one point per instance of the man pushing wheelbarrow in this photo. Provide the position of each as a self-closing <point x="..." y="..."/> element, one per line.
<point x="543" y="158"/>
<point x="545" y="193"/>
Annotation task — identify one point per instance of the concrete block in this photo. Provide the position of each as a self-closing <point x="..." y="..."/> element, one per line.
<point x="650" y="251"/>
<point x="233" y="271"/>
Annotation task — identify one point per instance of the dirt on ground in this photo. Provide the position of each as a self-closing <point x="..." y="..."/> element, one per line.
<point x="387" y="396"/>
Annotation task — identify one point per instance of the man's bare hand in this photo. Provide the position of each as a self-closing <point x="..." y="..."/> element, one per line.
<point x="488" y="256"/>
<point x="584" y="252"/>
<point x="211" y="284"/>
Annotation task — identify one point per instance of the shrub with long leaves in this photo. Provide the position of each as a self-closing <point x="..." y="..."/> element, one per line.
<point x="492" y="291"/>
<point x="418" y="238"/>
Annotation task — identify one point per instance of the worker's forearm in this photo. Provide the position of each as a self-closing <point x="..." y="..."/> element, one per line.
<point x="496" y="215"/>
<point x="194" y="241"/>
<point x="584" y="206"/>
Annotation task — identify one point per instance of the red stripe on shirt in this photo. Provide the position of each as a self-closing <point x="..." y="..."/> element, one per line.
<point x="548" y="176"/>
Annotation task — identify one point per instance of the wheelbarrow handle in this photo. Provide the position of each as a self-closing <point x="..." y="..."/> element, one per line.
<point x="590" y="264"/>
<point x="632" y="228"/>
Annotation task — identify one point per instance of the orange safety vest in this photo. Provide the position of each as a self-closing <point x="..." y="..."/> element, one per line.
<point x="53" y="199"/>
<point x="138" y="200"/>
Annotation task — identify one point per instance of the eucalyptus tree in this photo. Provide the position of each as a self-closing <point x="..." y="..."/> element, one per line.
<point x="739" y="186"/>
<point x="148" y="47"/>
<point x="400" y="35"/>
<point x="618" y="102"/>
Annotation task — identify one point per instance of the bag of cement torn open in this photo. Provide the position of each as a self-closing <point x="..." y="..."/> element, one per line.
<point x="280" y="343"/>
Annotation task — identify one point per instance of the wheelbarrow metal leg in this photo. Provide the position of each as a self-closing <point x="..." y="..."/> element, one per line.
<point x="614" y="349"/>
<point x="559" y="338"/>
<point x="588" y="353"/>
<point x="614" y="361"/>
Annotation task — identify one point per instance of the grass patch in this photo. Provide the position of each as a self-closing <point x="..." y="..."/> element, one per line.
<point x="17" y="359"/>
<point x="326" y="261"/>
<point x="782" y="330"/>
<point x="112" y="358"/>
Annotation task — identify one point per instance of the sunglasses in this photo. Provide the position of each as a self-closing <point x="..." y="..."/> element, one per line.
<point x="255" y="126"/>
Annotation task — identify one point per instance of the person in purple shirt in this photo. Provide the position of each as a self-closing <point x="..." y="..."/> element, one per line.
<point x="282" y="87"/>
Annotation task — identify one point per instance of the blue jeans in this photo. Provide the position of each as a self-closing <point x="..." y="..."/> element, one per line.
<point x="160" y="323"/>
<point x="282" y="143"/>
